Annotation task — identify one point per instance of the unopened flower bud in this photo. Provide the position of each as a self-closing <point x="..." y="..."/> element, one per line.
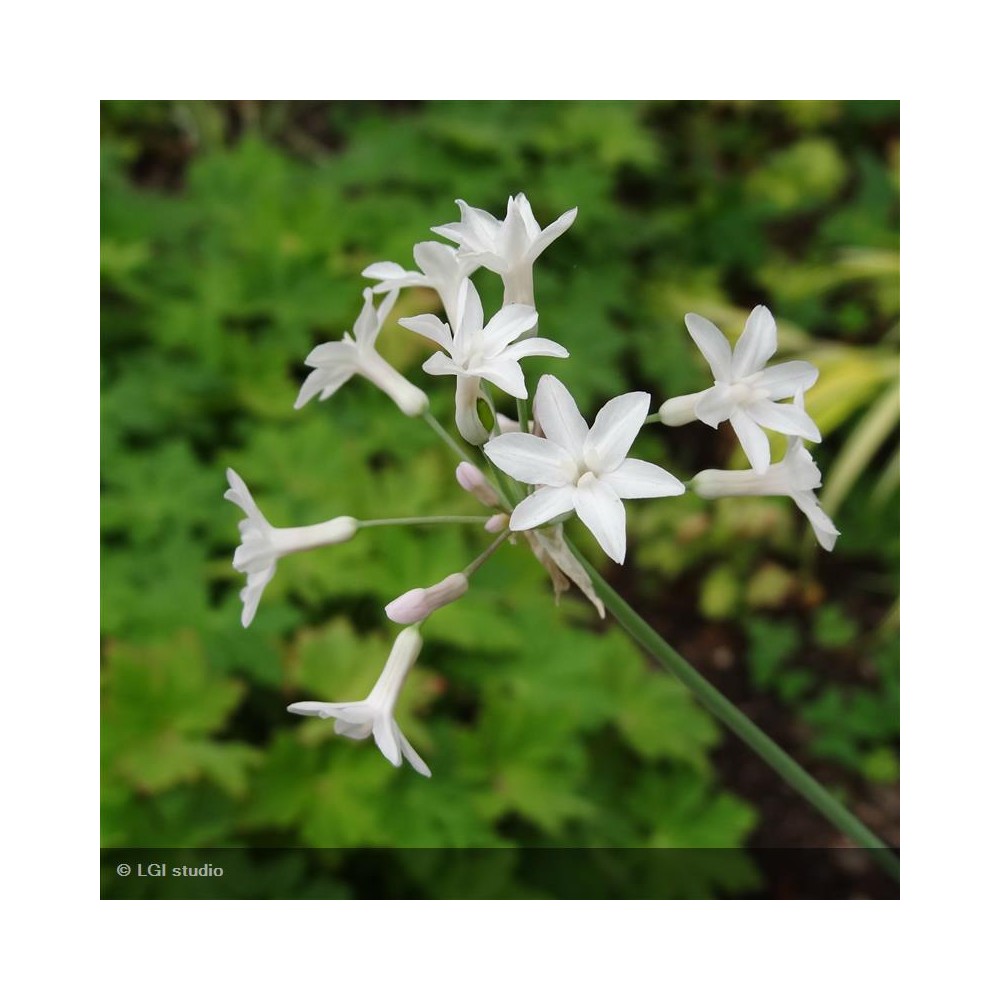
<point x="497" y="523"/>
<point x="473" y="481"/>
<point x="415" y="605"/>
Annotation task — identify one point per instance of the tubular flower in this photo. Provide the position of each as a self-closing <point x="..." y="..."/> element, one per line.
<point x="441" y="268"/>
<point x="476" y="352"/>
<point x="509" y="248"/>
<point x="579" y="468"/>
<point x="263" y="545"/>
<point x="796" y="476"/>
<point x="358" y="720"/>
<point x="745" y="392"/>
<point x="338" y="361"/>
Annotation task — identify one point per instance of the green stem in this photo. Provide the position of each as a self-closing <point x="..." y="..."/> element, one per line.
<point x="447" y="438"/>
<point x="653" y="418"/>
<point x="522" y="415"/>
<point x="483" y="556"/>
<point x="724" y="710"/>
<point x="389" y="522"/>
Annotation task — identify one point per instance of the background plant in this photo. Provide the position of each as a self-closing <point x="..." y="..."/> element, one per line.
<point x="232" y="237"/>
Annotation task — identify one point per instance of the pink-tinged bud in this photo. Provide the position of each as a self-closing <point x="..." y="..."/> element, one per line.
<point x="497" y="523"/>
<point x="473" y="481"/>
<point x="415" y="605"/>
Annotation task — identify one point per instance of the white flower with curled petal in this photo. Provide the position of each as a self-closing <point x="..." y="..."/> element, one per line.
<point x="358" y="720"/>
<point x="509" y="248"/>
<point x="745" y="392"/>
<point x="797" y="476"/>
<point x="441" y="268"/>
<point x="475" y="352"/>
<point x="263" y="545"/>
<point x="579" y="468"/>
<point x="338" y="361"/>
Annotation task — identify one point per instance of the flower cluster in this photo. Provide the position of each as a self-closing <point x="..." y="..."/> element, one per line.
<point x="532" y="474"/>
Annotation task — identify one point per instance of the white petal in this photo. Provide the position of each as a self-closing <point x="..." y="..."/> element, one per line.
<point x="535" y="347"/>
<point x="469" y="310"/>
<point x="824" y="529"/>
<point x="635" y="478"/>
<point x="409" y="753"/>
<point x="531" y="459"/>
<point x="251" y="593"/>
<point x="552" y="232"/>
<point x="441" y="364"/>
<point x="753" y="440"/>
<point x="522" y="206"/>
<point x="385" y="740"/>
<point x="615" y="428"/>
<point x="543" y="505"/>
<point x="714" y="405"/>
<point x="505" y="374"/>
<point x="712" y="343"/>
<point x="366" y="325"/>
<point x="507" y="326"/>
<point x="785" y="418"/>
<point x="559" y="416"/>
<point x="603" y="513"/>
<point x="333" y="353"/>
<point x="786" y="379"/>
<point x="757" y="343"/>
<point x="307" y="707"/>
<point x="439" y="262"/>
<point x="385" y="270"/>
<point x="430" y="327"/>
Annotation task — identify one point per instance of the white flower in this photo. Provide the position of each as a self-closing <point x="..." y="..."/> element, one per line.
<point x="441" y="268"/>
<point x="508" y="248"/>
<point x="373" y="717"/>
<point x="580" y="468"/>
<point x="477" y="352"/>
<point x="339" y="360"/>
<point x="263" y="545"/>
<point x="796" y="476"/>
<point x="745" y="391"/>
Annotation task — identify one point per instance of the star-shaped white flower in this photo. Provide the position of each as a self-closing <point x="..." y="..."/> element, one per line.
<point x="263" y="545"/>
<point x="509" y="248"/>
<point x="745" y="392"/>
<point x="338" y="361"/>
<point x="476" y="352"/>
<point x="358" y="720"/>
<point x="441" y="268"/>
<point x="797" y="476"/>
<point x="488" y="352"/>
<point x="579" y="468"/>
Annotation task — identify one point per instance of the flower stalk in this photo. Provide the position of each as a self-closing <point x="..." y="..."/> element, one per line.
<point x="727" y="713"/>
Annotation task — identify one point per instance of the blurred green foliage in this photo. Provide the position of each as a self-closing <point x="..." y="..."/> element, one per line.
<point x="233" y="237"/>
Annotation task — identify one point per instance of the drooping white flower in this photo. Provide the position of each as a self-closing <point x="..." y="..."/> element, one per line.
<point x="797" y="476"/>
<point x="415" y="605"/>
<point x="509" y="248"/>
<point x="579" y="468"/>
<point x="491" y="352"/>
<point x="263" y="545"/>
<point x="745" y="392"/>
<point x="441" y="268"/>
<point x="339" y="360"/>
<point x="374" y="716"/>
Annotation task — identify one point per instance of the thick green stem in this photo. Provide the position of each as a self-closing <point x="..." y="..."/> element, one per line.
<point x="724" y="710"/>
